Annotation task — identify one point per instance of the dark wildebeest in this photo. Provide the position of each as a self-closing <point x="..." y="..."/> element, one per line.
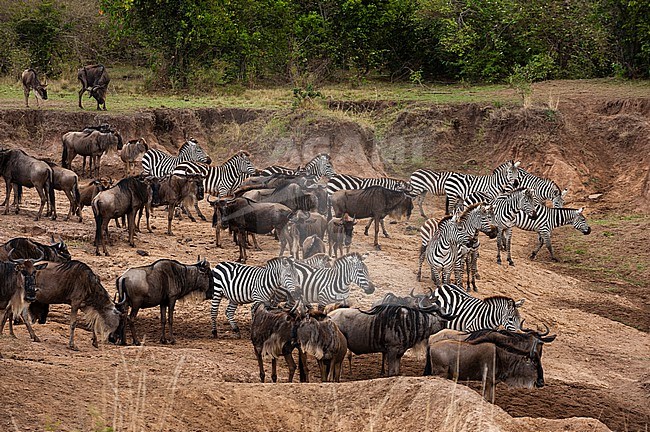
<point x="94" y="144"/>
<point x="312" y="245"/>
<point x="75" y="283"/>
<point x="90" y="191"/>
<point x="291" y="195"/>
<point x="374" y="202"/>
<point x="321" y="338"/>
<point x="127" y="197"/>
<point x="130" y="153"/>
<point x="243" y="216"/>
<point x="273" y="333"/>
<point x="95" y="79"/>
<point x="302" y="224"/>
<point x="161" y="284"/>
<point x="412" y="300"/>
<point x="18" y="286"/>
<point x="66" y="181"/>
<point x="174" y="190"/>
<point x="488" y="362"/>
<point x="30" y="81"/>
<point x="20" y="169"/>
<point x="388" y="329"/>
<point x="339" y="234"/>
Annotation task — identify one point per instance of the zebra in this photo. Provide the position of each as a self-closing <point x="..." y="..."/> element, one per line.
<point x="158" y="164"/>
<point x="319" y="166"/>
<point x="242" y="284"/>
<point x="473" y="314"/>
<point x="458" y="186"/>
<point x="544" y="189"/>
<point x="331" y="285"/>
<point x="448" y="245"/>
<point x="506" y="207"/>
<point x="347" y="182"/>
<point x="549" y="219"/>
<point x="426" y="180"/>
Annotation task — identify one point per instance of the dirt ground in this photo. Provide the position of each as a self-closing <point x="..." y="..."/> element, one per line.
<point x="597" y="367"/>
<point x="596" y="299"/>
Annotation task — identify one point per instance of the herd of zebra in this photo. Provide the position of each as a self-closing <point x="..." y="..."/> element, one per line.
<point x="493" y="204"/>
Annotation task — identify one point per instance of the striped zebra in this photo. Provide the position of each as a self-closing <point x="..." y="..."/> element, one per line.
<point x="426" y="180"/>
<point x="158" y="164"/>
<point x="223" y="179"/>
<point x="473" y="314"/>
<point x="242" y="284"/>
<point x="331" y="285"/>
<point x="458" y="186"/>
<point x="544" y="189"/>
<point x="547" y="220"/>
<point x="319" y="166"/>
<point x="506" y="207"/>
<point x="448" y="245"/>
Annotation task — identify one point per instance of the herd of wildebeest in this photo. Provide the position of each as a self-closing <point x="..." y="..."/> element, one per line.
<point x="299" y="302"/>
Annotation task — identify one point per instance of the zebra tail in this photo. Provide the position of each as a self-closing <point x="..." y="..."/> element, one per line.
<point x="427" y="366"/>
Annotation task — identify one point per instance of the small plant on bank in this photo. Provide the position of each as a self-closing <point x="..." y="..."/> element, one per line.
<point x="303" y="98"/>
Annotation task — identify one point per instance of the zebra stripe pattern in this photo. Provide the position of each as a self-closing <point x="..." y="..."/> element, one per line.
<point x="506" y="206"/>
<point x="242" y="284"/>
<point x="473" y="314"/>
<point x="158" y="164"/>
<point x="348" y="182"/>
<point x="458" y="186"/>
<point x="547" y="220"/>
<point x="319" y="166"/>
<point x="331" y="285"/>
<point x="224" y="179"/>
<point x="544" y="189"/>
<point x="426" y="180"/>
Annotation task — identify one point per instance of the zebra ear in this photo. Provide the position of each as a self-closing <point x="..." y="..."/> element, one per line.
<point x="517" y="163"/>
<point x="580" y="210"/>
<point x="519" y="303"/>
<point x="364" y="256"/>
<point x="564" y="192"/>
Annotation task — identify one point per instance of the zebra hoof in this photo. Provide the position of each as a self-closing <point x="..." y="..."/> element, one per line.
<point x="511" y="263"/>
<point x="533" y="256"/>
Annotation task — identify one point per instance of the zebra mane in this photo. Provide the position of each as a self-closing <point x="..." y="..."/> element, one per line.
<point x="542" y="178"/>
<point x="344" y="257"/>
<point x="237" y="155"/>
<point x="504" y="164"/>
<point x="467" y="211"/>
<point x="496" y="299"/>
<point x="486" y="332"/>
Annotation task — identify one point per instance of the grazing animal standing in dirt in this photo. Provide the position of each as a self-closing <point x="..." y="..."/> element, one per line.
<point x="506" y="207"/>
<point x="488" y="362"/>
<point x="161" y="284"/>
<point x="126" y="198"/>
<point x="95" y="79"/>
<point x="27" y="248"/>
<point x="20" y="169"/>
<point x="312" y="245"/>
<point x="90" y="191"/>
<point x="66" y="181"/>
<point x="173" y="191"/>
<point x="339" y="234"/>
<point x="374" y="202"/>
<point x="75" y="283"/>
<point x="273" y="333"/>
<point x="30" y="82"/>
<point x="94" y="144"/>
<point x="130" y="153"/>
<point x="17" y="288"/>
<point x="321" y="338"/>
<point x="388" y="329"/>
<point x="320" y="166"/>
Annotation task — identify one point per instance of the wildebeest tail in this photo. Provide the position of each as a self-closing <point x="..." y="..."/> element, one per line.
<point x="64" y="156"/>
<point x="427" y="366"/>
<point x="98" y="221"/>
<point x="39" y="311"/>
<point x="75" y="190"/>
<point x="50" y="188"/>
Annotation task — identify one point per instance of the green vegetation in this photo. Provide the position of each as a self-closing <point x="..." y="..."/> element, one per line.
<point x="202" y="45"/>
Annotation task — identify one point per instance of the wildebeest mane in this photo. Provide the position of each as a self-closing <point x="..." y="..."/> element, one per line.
<point x="133" y="185"/>
<point x="410" y="329"/>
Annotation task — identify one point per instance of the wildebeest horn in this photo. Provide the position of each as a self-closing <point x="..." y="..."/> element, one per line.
<point x="39" y="258"/>
<point x="212" y="203"/>
<point x="411" y="293"/>
<point x="15" y="260"/>
<point x="548" y="330"/>
<point x="52" y="238"/>
<point x="121" y="302"/>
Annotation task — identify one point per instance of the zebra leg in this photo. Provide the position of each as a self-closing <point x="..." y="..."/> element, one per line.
<point x="458" y="271"/>
<point x="499" y="245"/>
<point x="230" y="314"/>
<point x="508" y="242"/>
<point x="420" y="202"/>
<point x="435" y="277"/>
<point x="214" y="310"/>
<point x="540" y="243"/>
<point x="475" y="274"/>
<point x="549" y="246"/>
<point x="421" y="261"/>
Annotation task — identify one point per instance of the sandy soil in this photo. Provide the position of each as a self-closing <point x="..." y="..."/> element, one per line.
<point x="597" y="367"/>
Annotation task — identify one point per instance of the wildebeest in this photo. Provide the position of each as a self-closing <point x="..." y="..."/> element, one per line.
<point x="161" y="283"/>
<point x="30" y="81"/>
<point x="339" y="234"/>
<point x="89" y="191"/>
<point x="172" y="191"/>
<point x="92" y="143"/>
<point x="130" y="153"/>
<point x="243" y="216"/>
<point x="488" y="362"/>
<point x="20" y="169"/>
<point x="321" y="338"/>
<point x="388" y="329"/>
<point x="302" y="224"/>
<point x="127" y="197"/>
<point x="312" y="245"/>
<point x="17" y="287"/>
<point x="95" y="79"/>
<point x="75" y="283"/>
<point x="273" y="335"/>
<point x="66" y="181"/>
<point x="27" y="248"/>
<point x="375" y="202"/>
